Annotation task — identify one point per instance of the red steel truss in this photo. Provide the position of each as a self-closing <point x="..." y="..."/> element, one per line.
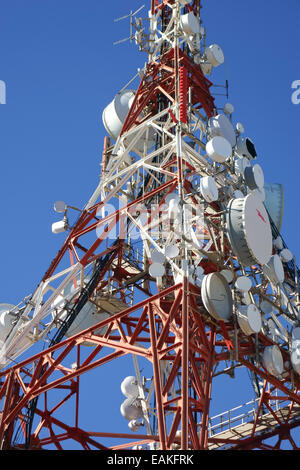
<point x="171" y="325"/>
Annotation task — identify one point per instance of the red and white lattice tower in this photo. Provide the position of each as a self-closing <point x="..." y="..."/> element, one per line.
<point x="176" y="262"/>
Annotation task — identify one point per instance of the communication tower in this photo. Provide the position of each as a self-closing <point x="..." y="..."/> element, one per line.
<point x="175" y="264"/>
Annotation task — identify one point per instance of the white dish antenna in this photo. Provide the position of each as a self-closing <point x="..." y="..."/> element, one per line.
<point x="157" y="257"/>
<point x="245" y="148"/>
<point x="60" y="206"/>
<point x="295" y="355"/>
<point x="252" y="240"/>
<point x="217" y="297"/>
<point x="172" y="251"/>
<point x="249" y="319"/>
<point x="266" y="307"/>
<point x="129" y="387"/>
<point x="218" y="149"/>
<point x="243" y="284"/>
<point x="228" y="108"/>
<point x="221" y="126"/>
<point x="190" y="24"/>
<point x="240" y="128"/>
<point x="156" y="270"/>
<point x="131" y="409"/>
<point x="240" y="166"/>
<point x="273" y="360"/>
<point x="274" y="270"/>
<point x="215" y="55"/>
<point x="254" y="177"/>
<point x="274" y="202"/>
<point x="228" y="275"/>
<point x="209" y="189"/>
<point x="286" y="255"/>
<point x="278" y="243"/>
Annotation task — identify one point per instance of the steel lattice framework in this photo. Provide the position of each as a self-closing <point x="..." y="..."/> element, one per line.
<point x="161" y="322"/>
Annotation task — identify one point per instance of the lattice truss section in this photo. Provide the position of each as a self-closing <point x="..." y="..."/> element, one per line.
<point x="131" y="277"/>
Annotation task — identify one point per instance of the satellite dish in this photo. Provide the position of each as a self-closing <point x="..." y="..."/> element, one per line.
<point x="228" y="108"/>
<point x="274" y="270"/>
<point x="156" y="270"/>
<point x="240" y="165"/>
<point x="209" y="189"/>
<point x="218" y="149"/>
<point x="286" y="255"/>
<point x="217" y="297"/>
<point x="260" y="193"/>
<point x="190" y="24"/>
<point x="250" y="240"/>
<point x="228" y="275"/>
<point x="221" y="126"/>
<point x="245" y="148"/>
<point x="172" y="251"/>
<point x="254" y="177"/>
<point x="274" y="202"/>
<point x="60" y="206"/>
<point x="129" y="387"/>
<point x="134" y="425"/>
<point x="249" y="319"/>
<point x="131" y="409"/>
<point x="215" y="55"/>
<point x="295" y="355"/>
<point x="278" y="243"/>
<point x="243" y="284"/>
<point x="240" y="128"/>
<point x="273" y="361"/>
<point x="157" y="257"/>
<point x="266" y="307"/>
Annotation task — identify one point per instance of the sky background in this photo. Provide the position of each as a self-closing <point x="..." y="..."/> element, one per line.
<point x="61" y="69"/>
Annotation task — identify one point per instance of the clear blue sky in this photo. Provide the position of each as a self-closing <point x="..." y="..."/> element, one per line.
<point x="61" y="69"/>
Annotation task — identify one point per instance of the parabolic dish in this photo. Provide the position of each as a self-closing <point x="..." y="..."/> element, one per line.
<point x="172" y="251"/>
<point x="209" y="189"/>
<point x="228" y="108"/>
<point x="220" y="125"/>
<point x="274" y="270"/>
<point x="274" y="202"/>
<point x="157" y="257"/>
<point x="217" y="297"/>
<point x="228" y="275"/>
<point x="215" y="55"/>
<point x="249" y="319"/>
<point x="273" y="360"/>
<point x="240" y="165"/>
<point x="254" y="177"/>
<point x="156" y="270"/>
<point x="245" y="148"/>
<point x="295" y="355"/>
<point x="249" y="230"/>
<point x="243" y="284"/>
<point x="266" y="307"/>
<point x="218" y="149"/>
<point x="286" y="255"/>
<point x="60" y="206"/>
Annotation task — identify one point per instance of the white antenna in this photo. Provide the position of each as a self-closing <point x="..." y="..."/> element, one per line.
<point x="130" y="15"/>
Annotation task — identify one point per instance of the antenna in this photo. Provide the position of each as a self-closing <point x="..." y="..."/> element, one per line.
<point x="130" y="15"/>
